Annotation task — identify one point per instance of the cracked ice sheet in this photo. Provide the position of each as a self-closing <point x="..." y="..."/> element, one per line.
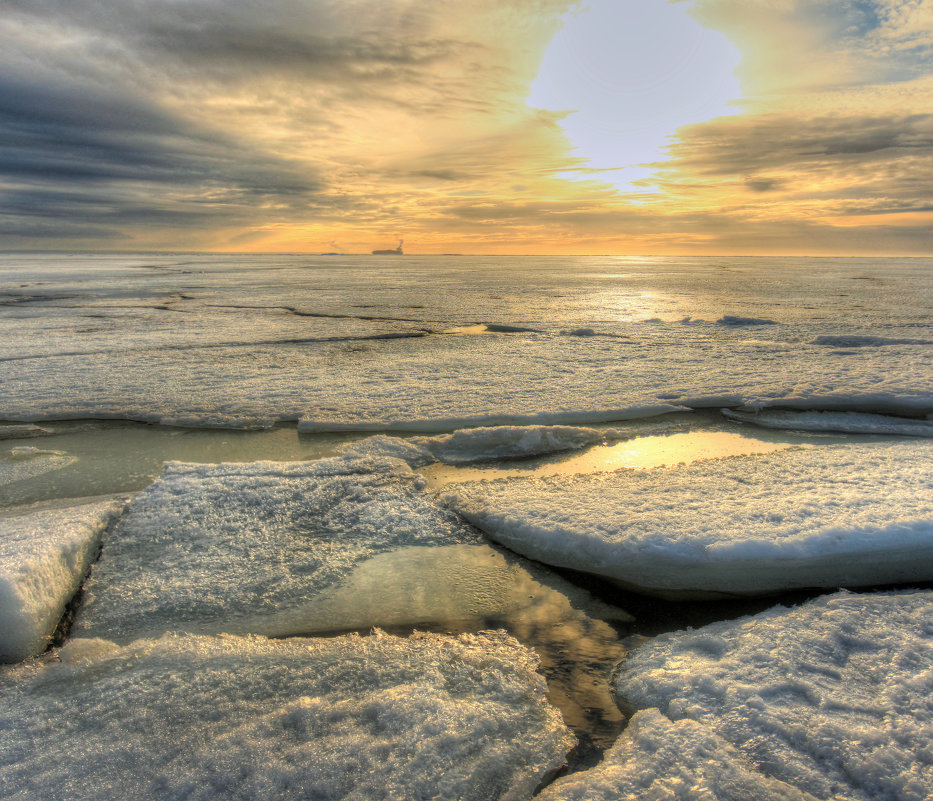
<point x="833" y="697"/>
<point x="441" y="383"/>
<point x="352" y="718"/>
<point x="655" y="758"/>
<point x="243" y="548"/>
<point x="655" y="342"/>
<point x="44" y="556"/>
<point x="836" y="515"/>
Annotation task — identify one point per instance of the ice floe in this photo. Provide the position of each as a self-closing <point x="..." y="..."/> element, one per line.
<point x="842" y="422"/>
<point x="243" y="548"/>
<point x="832" y="698"/>
<point x="23" y="462"/>
<point x="483" y="444"/>
<point x="44" y="556"/>
<point x="832" y="516"/>
<point x="656" y="758"/>
<point x="361" y="718"/>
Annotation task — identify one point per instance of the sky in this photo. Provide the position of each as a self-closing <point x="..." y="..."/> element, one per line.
<point x="784" y="127"/>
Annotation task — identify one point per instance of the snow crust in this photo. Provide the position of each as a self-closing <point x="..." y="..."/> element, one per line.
<point x="342" y="344"/>
<point x="843" y="422"/>
<point x="367" y="719"/>
<point x="834" y="697"/>
<point x="850" y="515"/>
<point x="241" y="548"/>
<point x="44" y="556"/>
<point x="483" y="444"/>
<point x="656" y="758"/>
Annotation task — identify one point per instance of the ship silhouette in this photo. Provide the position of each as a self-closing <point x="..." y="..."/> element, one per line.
<point x="396" y="252"/>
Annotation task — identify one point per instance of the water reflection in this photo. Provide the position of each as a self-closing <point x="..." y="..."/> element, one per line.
<point x="466" y="588"/>
<point x="640" y="453"/>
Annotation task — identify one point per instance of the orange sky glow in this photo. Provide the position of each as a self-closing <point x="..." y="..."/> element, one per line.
<point x="800" y="127"/>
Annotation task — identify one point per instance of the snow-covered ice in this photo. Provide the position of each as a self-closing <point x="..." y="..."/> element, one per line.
<point x="243" y="548"/>
<point x="355" y="718"/>
<point x="355" y="344"/>
<point x="44" y="556"/>
<point x="843" y="422"/>
<point x="831" y="516"/>
<point x="834" y="697"/>
<point x="656" y="759"/>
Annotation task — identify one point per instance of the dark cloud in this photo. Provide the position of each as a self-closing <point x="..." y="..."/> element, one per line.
<point x="762" y="184"/>
<point x="742" y="146"/>
<point x="71" y="154"/>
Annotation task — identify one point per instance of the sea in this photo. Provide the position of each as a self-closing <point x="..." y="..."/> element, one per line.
<point x="112" y="365"/>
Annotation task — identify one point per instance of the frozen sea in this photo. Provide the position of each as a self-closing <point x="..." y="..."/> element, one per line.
<point x="586" y="452"/>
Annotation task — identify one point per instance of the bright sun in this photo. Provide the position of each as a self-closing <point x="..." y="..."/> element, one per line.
<point x="632" y="72"/>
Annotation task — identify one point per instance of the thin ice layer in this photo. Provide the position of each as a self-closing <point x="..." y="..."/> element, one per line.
<point x="658" y="759"/>
<point x="844" y="422"/>
<point x="44" y="556"/>
<point x="482" y="444"/>
<point x="834" y="697"/>
<point x="837" y="515"/>
<point x="241" y="547"/>
<point x="361" y="719"/>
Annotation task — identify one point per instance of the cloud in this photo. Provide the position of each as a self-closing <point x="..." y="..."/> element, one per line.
<point x="296" y="123"/>
<point x="75" y="162"/>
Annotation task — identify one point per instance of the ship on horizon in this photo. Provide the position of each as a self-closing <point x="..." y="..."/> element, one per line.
<point x="396" y="252"/>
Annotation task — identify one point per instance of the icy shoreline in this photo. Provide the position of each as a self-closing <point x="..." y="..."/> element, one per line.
<point x="533" y="358"/>
<point x="194" y="552"/>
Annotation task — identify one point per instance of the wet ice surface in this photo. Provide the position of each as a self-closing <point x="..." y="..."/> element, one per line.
<point x="562" y="340"/>
<point x="356" y="718"/>
<point x="103" y="457"/>
<point x="244" y="548"/>
<point x="832" y="698"/>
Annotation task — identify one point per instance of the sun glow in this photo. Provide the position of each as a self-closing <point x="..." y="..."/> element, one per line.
<point x="631" y="72"/>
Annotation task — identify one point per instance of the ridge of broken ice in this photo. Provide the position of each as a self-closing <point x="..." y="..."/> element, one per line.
<point x="842" y="422"/>
<point x="246" y="547"/>
<point x="865" y="341"/>
<point x="482" y="444"/>
<point x="832" y="697"/>
<point x="837" y="515"/>
<point x="44" y="557"/>
<point x="736" y="321"/>
<point x="236" y="718"/>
